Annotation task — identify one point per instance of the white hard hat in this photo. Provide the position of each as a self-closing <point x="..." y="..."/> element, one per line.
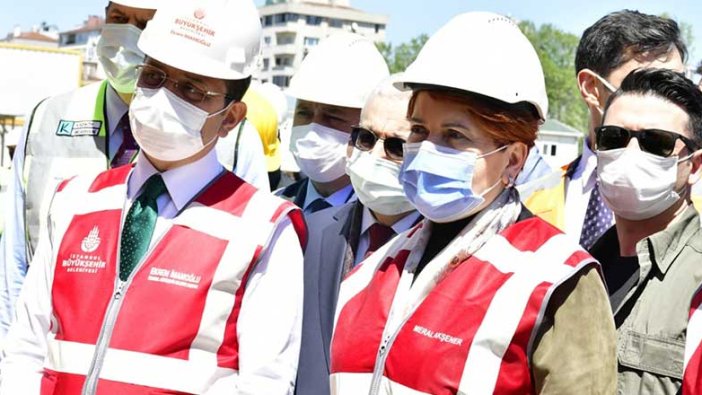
<point x="144" y="4"/>
<point x="484" y="53"/>
<point x="342" y="70"/>
<point x="214" y="38"/>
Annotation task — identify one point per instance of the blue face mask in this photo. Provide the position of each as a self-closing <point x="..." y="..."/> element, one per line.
<point x="439" y="181"/>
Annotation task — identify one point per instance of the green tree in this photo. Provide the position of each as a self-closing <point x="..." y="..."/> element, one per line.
<point x="556" y="50"/>
<point x="398" y="58"/>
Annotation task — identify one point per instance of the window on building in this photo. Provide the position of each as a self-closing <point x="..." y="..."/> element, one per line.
<point x="281" y="80"/>
<point x="69" y="39"/>
<point x="338" y="23"/>
<point x="285" y="38"/>
<point x="544" y="150"/>
<point x="553" y="150"/>
<point x="266" y="64"/>
<point x="311" y="41"/>
<point x="267" y="40"/>
<point x="313" y="20"/>
<point x="268" y="20"/>
<point x="378" y="27"/>
<point x="279" y="19"/>
<point x="282" y="61"/>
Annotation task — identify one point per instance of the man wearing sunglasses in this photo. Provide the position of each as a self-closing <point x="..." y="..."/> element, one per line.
<point x="608" y="50"/>
<point x="340" y="239"/>
<point x="649" y="156"/>
<point x="331" y="87"/>
<point x="172" y="275"/>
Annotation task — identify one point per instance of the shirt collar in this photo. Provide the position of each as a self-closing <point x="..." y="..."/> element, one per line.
<point x="667" y="244"/>
<point x="337" y="198"/>
<point x="182" y="183"/>
<point x="587" y="166"/>
<point x="115" y="108"/>
<point x="398" y="227"/>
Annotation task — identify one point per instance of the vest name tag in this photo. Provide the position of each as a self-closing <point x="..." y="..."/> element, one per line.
<point x="78" y="128"/>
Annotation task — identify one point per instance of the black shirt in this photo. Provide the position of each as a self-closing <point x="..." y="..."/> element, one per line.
<point x="621" y="274"/>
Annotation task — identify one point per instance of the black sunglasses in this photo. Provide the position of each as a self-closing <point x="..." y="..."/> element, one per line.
<point x="364" y="139"/>
<point x="654" y="141"/>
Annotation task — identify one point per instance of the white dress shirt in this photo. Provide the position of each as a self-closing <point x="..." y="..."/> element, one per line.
<point x="368" y="220"/>
<point x="270" y="318"/>
<point x="578" y="189"/>
<point x="338" y="198"/>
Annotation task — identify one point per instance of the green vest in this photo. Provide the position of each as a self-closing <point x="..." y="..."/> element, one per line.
<point x="66" y="136"/>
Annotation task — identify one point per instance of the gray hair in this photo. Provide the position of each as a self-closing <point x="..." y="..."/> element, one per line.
<point x="387" y="90"/>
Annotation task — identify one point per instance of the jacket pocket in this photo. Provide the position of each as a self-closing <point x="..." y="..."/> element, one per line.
<point x="650" y="353"/>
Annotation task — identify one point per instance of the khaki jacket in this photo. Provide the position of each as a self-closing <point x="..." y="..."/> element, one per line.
<point x="652" y="318"/>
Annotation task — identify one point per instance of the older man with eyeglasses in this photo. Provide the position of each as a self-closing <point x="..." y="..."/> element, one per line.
<point x="340" y="238"/>
<point x="648" y="158"/>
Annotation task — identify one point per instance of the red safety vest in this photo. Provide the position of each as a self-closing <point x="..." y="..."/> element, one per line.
<point x="692" y="376"/>
<point x="173" y="326"/>
<point x="469" y="332"/>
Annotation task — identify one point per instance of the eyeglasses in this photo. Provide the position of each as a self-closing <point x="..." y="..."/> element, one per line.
<point x="364" y="139"/>
<point x="654" y="141"/>
<point x="153" y="78"/>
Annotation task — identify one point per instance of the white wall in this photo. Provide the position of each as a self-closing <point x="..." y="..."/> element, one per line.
<point x="557" y="150"/>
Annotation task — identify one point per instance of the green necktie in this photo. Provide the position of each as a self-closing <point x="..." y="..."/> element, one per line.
<point x="139" y="226"/>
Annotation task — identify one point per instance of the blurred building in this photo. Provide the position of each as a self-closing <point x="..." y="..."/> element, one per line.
<point x="39" y="36"/>
<point x="559" y="143"/>
<point x="292" y="27"/>
<point x="84" y="38"/>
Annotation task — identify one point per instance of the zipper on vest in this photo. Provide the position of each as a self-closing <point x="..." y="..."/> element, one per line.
<point x="105" y="334"/>
<point x="108" y="322"/>
<point x="383" y="352"/>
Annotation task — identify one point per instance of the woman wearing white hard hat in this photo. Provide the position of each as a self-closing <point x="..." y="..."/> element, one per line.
<point x="172" y="275"/>
<point x="481" y="297"/>
<point x="80" y="131"/>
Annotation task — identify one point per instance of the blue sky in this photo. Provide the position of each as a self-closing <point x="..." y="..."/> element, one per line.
<point x="408" y="18"/>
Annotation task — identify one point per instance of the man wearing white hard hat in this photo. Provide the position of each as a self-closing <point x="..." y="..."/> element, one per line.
<point x="171" y="275"/>
<point x="341" y="239"/>
<point x="87" y="130"/>
<point x="331" y="88"/>
<point x="83" y="130"/>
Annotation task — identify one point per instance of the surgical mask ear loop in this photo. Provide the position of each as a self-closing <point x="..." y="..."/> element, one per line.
<point x="485" y="192"/>
<point x="492" y="152"/>
<point x="685" y="158"/>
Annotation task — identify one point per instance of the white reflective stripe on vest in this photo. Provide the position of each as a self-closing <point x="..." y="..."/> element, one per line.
<point x="359" y="383"/>
<point x="498" y="327"/>
<point x="219" y="224"/>
<point x="111" y="198"/>
<point x="363" y="274"/>
<point x="135" y="368"/>
<point x="694" y="335"/>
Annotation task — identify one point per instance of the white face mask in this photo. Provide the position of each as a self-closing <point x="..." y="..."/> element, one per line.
<point x="635" y="184"/>
<point x="167" y="127"/>
<point x="320" y="151"/>
<point x="119" y="55"/>
<point x="376" y="183"/>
